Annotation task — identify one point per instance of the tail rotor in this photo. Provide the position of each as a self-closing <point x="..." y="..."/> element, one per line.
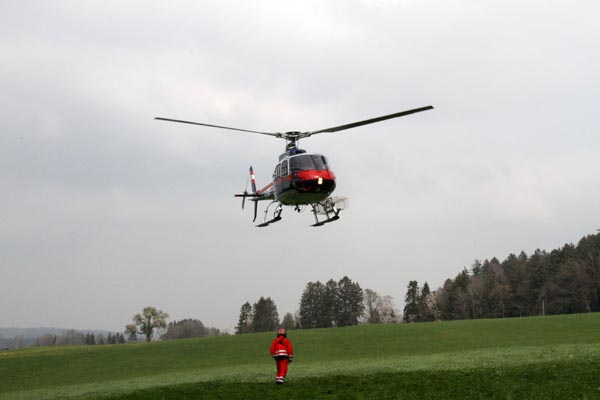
<point x="253" y="195"/>
<point x="253" y="182"/>
<point x="245" y="193"/>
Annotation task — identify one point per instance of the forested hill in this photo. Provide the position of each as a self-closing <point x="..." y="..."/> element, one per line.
<point x="562" y="281"/>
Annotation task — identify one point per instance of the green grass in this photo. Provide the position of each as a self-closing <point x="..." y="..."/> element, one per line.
<point x="545" y="357"/>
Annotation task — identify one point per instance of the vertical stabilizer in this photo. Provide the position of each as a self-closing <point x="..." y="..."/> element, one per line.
<point x="252" y="180"/>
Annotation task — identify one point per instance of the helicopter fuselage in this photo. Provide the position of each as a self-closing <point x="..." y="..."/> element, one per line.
<point x="302" y="178"/>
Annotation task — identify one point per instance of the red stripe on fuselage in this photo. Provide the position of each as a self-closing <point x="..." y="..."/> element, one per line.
<point x="305" y="176"/>
<point x="315" y="174"/>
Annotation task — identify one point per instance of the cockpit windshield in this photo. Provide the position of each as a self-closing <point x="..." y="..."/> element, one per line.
<point x="306" y="162"/>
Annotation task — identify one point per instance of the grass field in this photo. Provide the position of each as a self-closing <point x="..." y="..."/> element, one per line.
<point x="522" y="358"/>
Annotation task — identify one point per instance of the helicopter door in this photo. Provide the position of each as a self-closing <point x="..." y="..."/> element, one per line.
<point x="286" y="181"/>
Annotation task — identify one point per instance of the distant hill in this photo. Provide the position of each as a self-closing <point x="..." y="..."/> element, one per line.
<point x="9" y="333"/>
<point x="28" y="335"/>
<point x="37" y="332"/>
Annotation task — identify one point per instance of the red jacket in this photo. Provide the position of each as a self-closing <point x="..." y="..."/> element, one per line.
<point x="282" y="347"/>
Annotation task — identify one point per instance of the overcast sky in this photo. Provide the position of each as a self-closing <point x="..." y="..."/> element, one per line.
<point x="105" y="211"/>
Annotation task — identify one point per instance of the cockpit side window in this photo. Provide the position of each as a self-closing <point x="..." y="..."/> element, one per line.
<point x="284" y="168"/>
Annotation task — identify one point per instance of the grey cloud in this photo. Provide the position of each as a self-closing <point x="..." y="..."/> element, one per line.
<point x="99" y="198"/>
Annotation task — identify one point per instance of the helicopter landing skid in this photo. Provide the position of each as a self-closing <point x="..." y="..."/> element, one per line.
<point x="328" y="209"/>
<point x="276" y="215"/>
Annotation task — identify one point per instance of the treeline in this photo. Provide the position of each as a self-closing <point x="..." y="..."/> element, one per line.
<point x="262" y="316"/>
<point x="149" y="323"/>
<point x="322" y="305"/>
<point x="331" y="304"/>
<point x="563" y="281"/>
<point x="72" y="337"/>
<point x="189" y="328"/>
<point x="343" y="303"/>
<point x="186" y="328"/>
<point x="152" y="323"/>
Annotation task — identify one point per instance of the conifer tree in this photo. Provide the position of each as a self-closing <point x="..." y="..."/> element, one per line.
<point x="349" y="304"/>
<point x="411" y="301"/>
<point x="319" y="304"/>
<point x="424" y="312"/>
<point x="245" y="321"/>
<point x="265" y="316"/>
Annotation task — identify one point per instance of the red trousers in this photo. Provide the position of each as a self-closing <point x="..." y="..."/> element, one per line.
<point x="282" y="366"/>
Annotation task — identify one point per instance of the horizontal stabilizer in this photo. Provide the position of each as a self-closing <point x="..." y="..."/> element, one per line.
<point x="247" y="195"/>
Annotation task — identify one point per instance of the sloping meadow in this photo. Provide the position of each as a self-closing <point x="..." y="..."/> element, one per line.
<point x="542" y="357"/>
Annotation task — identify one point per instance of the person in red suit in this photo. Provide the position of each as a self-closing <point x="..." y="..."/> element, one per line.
<point x="281" y="351"/>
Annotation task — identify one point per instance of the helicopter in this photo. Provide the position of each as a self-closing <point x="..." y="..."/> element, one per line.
<point x="300" y="178"/>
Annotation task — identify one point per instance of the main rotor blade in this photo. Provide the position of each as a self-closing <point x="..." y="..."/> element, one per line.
<point x="217" y="126"/>
<point x="369" y="121"/>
